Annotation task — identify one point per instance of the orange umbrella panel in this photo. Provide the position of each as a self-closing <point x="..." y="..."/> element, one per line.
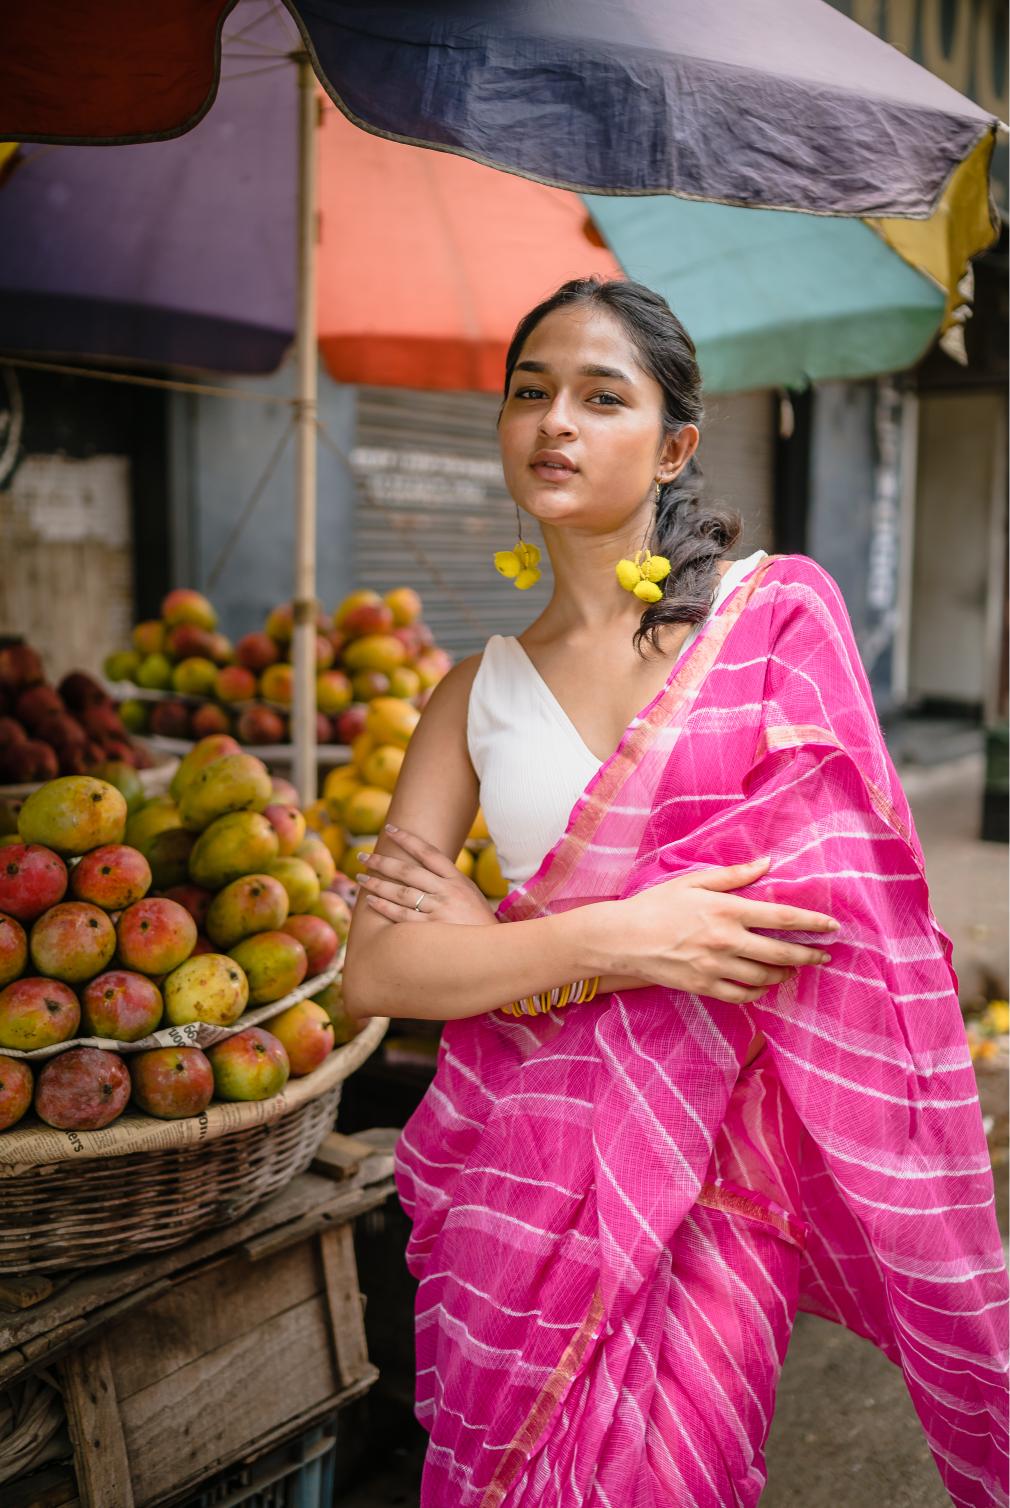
<point x="427" y="261"/>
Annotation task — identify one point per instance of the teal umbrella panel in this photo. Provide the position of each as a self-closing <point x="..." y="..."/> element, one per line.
<point x="774" y="298"/>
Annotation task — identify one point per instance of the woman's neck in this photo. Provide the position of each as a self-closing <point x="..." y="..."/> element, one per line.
<point x="587" y="598"/>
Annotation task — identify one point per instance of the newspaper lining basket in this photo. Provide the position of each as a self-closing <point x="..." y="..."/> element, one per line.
<point x="73" y="1200"/>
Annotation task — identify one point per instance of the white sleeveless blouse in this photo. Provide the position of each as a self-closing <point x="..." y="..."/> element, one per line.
<point x="530" y="760"/>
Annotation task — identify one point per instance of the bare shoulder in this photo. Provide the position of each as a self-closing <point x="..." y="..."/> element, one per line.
<point x="451" y="697"/>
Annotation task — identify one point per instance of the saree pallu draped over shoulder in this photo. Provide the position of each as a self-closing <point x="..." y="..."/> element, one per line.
<point x="602" y="1307"/>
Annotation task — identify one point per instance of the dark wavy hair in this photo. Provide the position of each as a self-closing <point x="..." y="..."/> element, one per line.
<point x="691" y="532"/>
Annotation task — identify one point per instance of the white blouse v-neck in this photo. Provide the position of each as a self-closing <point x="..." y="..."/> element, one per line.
<point x="529" y="757"/>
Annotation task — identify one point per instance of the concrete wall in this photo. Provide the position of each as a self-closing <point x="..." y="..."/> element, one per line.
<point x="857" y="516"/>
<point x="219" y="449"/>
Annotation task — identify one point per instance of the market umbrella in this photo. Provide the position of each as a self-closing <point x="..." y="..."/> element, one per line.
<point x="784" y="105"/>
<point x="425" y="260"/>
<point x="627" y="98"/>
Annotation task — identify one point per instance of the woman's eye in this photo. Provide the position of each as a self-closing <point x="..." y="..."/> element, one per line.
<point x="526" y="392"/>
<point x="609" y="399"/>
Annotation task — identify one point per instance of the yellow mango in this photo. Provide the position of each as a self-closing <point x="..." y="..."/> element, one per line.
<point x="391" y="720"/>
<point x="382" y="766"/>
<point x="350" y="863"/>
<point x="490" y="880"/>
<point x="366" y="810"/>
<point x="478" y="832"/>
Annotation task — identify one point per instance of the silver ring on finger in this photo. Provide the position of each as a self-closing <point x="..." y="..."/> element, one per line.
<point x="420" y="898"/>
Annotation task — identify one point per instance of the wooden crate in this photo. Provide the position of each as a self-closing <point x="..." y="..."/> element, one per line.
<point x="217" y="1351"/>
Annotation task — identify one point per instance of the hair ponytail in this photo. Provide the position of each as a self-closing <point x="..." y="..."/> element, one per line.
<point x="693" y="534"/>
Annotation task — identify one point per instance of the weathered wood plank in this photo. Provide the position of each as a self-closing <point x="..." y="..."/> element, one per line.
<point x="339" y="1156"/>
<point x="96" y="1430"/>
<point x="24" y="1290"/>
<point x="37" y="1335"/>
<point x="224" y="1402"/>
<point x="289" y="1430"/>
<point x="340" y="1270"/>
<point x="211" y="1308"/>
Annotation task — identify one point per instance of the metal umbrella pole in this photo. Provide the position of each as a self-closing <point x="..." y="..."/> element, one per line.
<point x="303" y="712"/>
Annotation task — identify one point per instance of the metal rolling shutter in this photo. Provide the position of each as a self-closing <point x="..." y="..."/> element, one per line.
<point x="432" y="506"/>
<point x="432" y="509"/>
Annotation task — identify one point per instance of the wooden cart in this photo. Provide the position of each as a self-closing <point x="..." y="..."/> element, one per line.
<point x="174" y="1365"/>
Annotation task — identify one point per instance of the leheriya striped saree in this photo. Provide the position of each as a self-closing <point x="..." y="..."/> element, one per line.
<point x="612" y="1223"/>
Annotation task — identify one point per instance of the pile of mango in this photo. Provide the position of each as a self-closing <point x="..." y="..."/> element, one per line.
<point x="371" y="646"/>
<point x="357" y="797"/>
<point x="191" y="907"/>
<point x="988" y="1032"/>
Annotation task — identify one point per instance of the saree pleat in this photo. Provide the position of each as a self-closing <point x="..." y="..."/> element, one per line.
<point x="613" y="1217"/>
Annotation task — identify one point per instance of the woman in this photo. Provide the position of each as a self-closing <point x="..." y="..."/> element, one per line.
<point x="619" y="1204"/>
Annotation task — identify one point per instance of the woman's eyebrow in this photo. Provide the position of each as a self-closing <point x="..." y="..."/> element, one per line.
<point x="588" y="371"/>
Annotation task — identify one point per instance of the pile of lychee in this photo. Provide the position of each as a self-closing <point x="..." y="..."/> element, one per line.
<point x="45" y="731"/>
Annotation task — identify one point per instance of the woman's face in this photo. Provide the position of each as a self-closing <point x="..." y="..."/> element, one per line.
<point x="581" y="430"/>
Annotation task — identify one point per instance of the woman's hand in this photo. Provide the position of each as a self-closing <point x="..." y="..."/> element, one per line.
<point x="423" y="886"/>
<point x="690" y="934"/>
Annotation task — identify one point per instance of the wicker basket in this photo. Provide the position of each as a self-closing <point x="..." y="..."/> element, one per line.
<point x="89" y="1203"/>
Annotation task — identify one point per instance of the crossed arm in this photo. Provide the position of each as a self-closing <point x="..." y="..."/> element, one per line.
<point x="452" y="959"/>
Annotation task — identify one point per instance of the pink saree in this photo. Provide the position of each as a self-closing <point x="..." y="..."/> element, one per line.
<point x="614" y="1220"/>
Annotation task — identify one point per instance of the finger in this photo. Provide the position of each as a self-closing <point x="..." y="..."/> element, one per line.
<point x="406" y="871"/>
<point x="730" y="876"/>
<point x="777" y="918"/>
<point x="424" y="852"/>
<point x="735" y="994"/>
<point x="392" y="912"/>
<point x="402" y="895"/>
<point x="759" y="975"/>
<point x="781" y="955"/>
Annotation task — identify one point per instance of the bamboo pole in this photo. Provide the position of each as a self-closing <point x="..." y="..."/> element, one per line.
<point x="303" y="712"/>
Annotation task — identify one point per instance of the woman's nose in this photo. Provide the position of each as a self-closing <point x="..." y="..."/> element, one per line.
<point x="558" y="419"/>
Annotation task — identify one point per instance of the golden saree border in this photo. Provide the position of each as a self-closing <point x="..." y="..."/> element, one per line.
<point x="749" y="1206"/>
<point x="679" y="691"/>
<point x="794" y="736"/>
<point x="518" y="1452"/>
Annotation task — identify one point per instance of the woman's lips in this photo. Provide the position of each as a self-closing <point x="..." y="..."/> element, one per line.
<point x="549" y="472"/>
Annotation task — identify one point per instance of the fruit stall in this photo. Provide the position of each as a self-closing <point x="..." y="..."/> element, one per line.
<point x="174" y="1051"/>
<point x="181" y="679"/>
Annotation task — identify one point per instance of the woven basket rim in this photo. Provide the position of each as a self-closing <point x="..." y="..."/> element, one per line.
<point x="35" y="1148"/>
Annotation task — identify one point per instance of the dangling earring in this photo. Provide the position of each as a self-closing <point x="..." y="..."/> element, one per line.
<point x="519" y="565"/>
<point x="641" y="574"/>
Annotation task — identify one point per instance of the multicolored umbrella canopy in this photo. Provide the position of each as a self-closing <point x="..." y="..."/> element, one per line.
<point x="787" y="105"/>
<point x="182" y="253"/>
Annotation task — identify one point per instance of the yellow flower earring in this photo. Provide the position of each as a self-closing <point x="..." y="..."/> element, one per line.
<point x="642" y="574"/>
<point x="520" y="564"/>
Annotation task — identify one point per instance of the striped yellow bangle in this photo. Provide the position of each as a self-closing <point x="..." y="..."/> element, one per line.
<point x="580" y="992"/>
